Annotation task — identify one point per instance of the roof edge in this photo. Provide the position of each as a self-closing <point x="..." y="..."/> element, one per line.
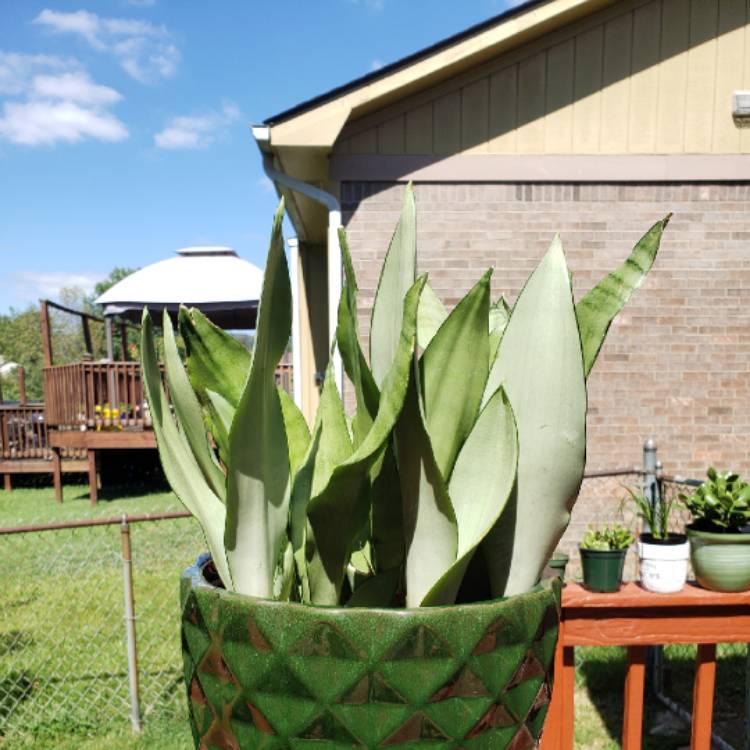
<point x="404" y="62"/>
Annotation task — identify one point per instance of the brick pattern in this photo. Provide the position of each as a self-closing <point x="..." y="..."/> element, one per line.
<point x="676" y="364"/>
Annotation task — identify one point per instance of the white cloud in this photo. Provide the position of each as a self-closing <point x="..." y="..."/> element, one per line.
<point x="144" y="50"/>
<point x="376" y="65"/>
<point x="30" y="286"/>
<point x="35" y="123"/>
<point x="56" y="101"/>
<point x="77" y="87"/>
<point x="16" y="69"/>
<point x="266" y="185"/>
<point x="196" y="131"/>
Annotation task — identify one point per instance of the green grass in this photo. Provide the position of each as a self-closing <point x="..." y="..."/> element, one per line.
<point x="63" y="683"/>
<point x="63" y="666"/>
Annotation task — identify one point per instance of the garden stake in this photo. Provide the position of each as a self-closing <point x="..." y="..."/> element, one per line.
<point x="127" y="578"/>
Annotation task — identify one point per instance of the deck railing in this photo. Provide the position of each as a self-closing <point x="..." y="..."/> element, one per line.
<point x="83" y="393"/>
<point x="23" y="431"/>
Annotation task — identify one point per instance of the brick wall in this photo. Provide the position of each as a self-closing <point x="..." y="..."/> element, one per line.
<point x="676" y="364"/>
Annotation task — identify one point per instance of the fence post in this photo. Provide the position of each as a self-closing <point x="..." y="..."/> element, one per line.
<point x="127" y="577"/>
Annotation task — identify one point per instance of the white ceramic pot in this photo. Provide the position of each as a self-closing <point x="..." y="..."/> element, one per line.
<point x="663" y="566"/>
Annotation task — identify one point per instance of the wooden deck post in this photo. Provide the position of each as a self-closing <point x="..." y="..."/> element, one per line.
<point x="57" y="474"/>
<point x="46" y="332"/>
<point x="7" y="482"/>
<point x="123" y="328"/>
<point x="703" y="696"/>
<point x="91" y="455"/>
<point x="632" y="720"/>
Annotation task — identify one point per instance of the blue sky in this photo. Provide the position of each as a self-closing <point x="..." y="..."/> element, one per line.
<point x="124" y="123"/>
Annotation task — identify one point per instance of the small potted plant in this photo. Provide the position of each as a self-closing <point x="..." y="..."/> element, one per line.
<point x="558" y="562"/>
<point x="603" y="553"/>
<point x="375" y="580"/>
<point x="662" y="555"/>
<point x="720" y="532"/>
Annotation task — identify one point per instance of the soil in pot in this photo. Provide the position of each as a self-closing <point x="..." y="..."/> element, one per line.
<point x="721" y="561"/>
<point x="663" y="562"/>
<point x="602" y="569"/>
<point x="274" y="674"/>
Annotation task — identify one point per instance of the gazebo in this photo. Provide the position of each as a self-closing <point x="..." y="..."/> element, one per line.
<point x="214" y="279"/>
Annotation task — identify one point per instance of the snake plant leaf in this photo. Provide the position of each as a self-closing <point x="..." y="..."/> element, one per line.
<point x="347" y="337"/>
<point x="499" y="317"/>
<point x="377" y="591"/>
<point x="180" y="467"/>
<point x="430" y="530"/>
<point x="387" y="512"/>
<point x="540" y="364"/>
<point x="297" y="431"/>
<point x="258" y="468"/>
<point x="453" y="373"/>
<point x="597" y="309"/>
<point x="216" y="361"/>
<point x="396" y="278"/>
<point x="218" y="366"/>
<point x="339" y="511"/>
<point x="481" y="483"/>
<point x="188" y="412"/>
<point x="430" y="316"/>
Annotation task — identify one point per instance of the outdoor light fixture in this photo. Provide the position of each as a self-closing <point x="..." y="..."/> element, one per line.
<point x="741" y="108"/>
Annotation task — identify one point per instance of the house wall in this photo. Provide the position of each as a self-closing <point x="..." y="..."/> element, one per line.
<point x="641" y="77"/>
<point x="676" y="363"/>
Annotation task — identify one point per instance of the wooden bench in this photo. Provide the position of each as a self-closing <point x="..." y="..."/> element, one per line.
<point x="636" y="618"/>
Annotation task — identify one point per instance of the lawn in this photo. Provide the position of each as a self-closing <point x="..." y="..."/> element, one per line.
<point x="63" y="678"/>
<point x="63" y="667"/>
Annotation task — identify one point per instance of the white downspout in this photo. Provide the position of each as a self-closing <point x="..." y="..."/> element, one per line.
<point x="296" y="353"/>
<point x="335" y="269"/>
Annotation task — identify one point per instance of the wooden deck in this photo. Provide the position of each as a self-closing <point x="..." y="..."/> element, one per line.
<point x="89" y="407"/>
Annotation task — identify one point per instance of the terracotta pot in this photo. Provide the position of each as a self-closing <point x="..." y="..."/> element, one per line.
<point x="267" y="674"/>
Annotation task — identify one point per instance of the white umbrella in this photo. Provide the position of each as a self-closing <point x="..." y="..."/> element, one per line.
<point x="213" y="279"/>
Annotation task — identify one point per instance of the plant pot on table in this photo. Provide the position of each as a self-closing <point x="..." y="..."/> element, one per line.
<point x="602" y="569"/>
<point x="274" y="674"/>
<point x="663" y="562"/>
<point x="721" y="560"/>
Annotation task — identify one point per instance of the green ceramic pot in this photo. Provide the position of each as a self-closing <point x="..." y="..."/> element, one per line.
<point x="267" y="674"/>
<point x="602" y="569"/>
<point x="721" y="562"/>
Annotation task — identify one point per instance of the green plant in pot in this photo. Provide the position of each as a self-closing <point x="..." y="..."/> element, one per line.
<point x="720" y="532"/>
<point x="662" y="555"/>
<point x="603" y="553"/>
<point x="375" y="580"/>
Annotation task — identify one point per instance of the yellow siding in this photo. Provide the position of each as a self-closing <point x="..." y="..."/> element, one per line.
<point x="641" y="77"/>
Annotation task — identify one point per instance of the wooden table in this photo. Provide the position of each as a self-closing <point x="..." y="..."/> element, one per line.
<point x="637" y="618"/>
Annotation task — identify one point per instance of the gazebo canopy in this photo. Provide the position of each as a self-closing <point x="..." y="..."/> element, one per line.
<point x="213" y="279"/>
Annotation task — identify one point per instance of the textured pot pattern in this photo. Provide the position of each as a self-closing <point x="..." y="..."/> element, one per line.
<point x="721" y="562"/>
<point x="265" y="674"/>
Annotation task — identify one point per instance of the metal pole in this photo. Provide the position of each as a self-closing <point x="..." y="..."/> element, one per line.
<point x="654" y="673"/>
<point x="127" y="577"/>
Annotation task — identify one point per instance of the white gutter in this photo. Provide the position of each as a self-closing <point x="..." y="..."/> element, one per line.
<point x="296" y="353"/>
<point x="262" y="135"/>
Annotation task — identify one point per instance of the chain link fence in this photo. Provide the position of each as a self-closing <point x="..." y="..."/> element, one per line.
<point x="63" y="632"/>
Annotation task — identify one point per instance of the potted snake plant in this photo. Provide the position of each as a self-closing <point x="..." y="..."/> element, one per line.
<point x="374" y="580"/>
<point x="720" y="532"/>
